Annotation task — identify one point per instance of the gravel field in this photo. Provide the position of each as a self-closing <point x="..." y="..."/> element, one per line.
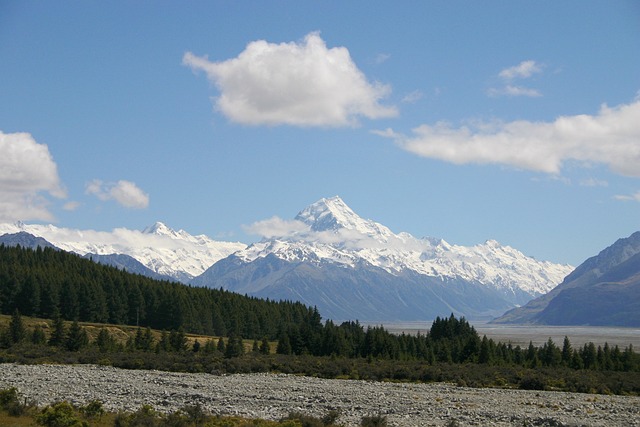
<point x="272" y="396"/>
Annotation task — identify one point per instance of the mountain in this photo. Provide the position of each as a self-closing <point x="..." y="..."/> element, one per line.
<point x="604" y="291"/>
<point x="355" y="268"/>
<point x="127" y="263"/>
<point x="169" y="253"/>
<point x="25" y="240"/>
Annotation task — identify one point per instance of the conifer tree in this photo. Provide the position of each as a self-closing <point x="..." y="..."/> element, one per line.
<point x="58" y="333"/>
<point x="209" y="346"/>
<point x="235" y="347"/>
<point x="77" y="337"/>
<point x="567" y="352"/>
<point x="177" y="340"/>
<point x="221" y="346"/>
<point x="265" y="348"/>
<point x="284" y="345"/>
<point x="105" y="341"/>
<point x="17" y="331"/>
<point x="37" y="336"/>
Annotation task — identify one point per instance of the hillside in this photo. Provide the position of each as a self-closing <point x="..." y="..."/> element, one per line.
<point x="602" y="291"/>
<point x="46" y="282"/>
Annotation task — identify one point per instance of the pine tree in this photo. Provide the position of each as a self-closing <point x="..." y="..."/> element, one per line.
<point x="221" y="346"/>
<point x="235" y="347"/>
<point x="163" y="344"/>
<point x="17" y="331"/>
<point x="37" y="336"/>
<point x="486" y="355"/>
<point x="177" y="340"/>
<point x="77" y="337"/>
<point x="284" y="345"/>
<point x="58" y="334"/>
<point x="265" y="348"/>
<point x="105" y="341"/>
<point x="567" y="352"/>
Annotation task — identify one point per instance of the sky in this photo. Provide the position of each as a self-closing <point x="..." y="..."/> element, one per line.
<point x="467" y="121"/>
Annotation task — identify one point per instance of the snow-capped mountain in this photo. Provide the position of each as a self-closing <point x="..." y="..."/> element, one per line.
<point x="331" y="252"/>
<point x="176" y="254"/>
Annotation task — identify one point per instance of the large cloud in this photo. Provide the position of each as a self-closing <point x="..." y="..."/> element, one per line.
<point x="294" y="230"/>
<point x="300" y="84"/>
<point x="126" y="193"/>
<point x="27" y="170"/>
<point x="611" y="137"/>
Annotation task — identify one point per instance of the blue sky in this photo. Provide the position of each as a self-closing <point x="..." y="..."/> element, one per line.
<point x="468" y="121"/>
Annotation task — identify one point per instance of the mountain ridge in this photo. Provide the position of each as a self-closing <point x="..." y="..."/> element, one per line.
<point x="166" y="252"/>
<point x="329" y="239"/>
<point x="603" y="290"/>
<point x="329" y="252"/>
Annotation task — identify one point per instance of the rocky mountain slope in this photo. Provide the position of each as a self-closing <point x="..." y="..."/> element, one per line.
<point x="604" y="290"/>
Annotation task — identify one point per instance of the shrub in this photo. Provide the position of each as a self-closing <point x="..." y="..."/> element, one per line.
<point x="10" y="402"/>
<point x="374" y="421"/>
<point x="61" y="414"/>
<point x="93" y="410"/>
<point x="310" y="421"/>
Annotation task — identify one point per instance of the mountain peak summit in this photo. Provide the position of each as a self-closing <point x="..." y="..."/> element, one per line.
<point x="158" y="228"/>
<point x="332" y="214"/>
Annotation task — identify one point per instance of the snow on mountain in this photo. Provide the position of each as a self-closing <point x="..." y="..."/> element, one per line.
<point x="165" y="251"/>
<point x="334" y="233"/>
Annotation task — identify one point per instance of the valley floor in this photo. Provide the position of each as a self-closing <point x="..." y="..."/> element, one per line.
<point x="272" y="396"/>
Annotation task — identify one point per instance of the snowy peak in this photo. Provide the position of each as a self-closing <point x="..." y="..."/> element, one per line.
<point x="163" y="250"/>
<point x="337" y="235"/>
<point x="159" y="229"/>
<point x="333" y="215"/>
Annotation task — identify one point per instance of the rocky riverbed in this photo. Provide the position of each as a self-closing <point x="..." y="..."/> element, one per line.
<point x="272" y="396"/>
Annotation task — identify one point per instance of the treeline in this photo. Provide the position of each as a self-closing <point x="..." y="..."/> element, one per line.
<point x="48" y="283"/>
<point x="54" y="284"/>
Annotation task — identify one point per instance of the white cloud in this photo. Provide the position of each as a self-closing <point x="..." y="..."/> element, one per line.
<point x="27" y="170"/>
<point x="299" y="84"/>
<point x="627" y="198"/>
<point x="382" y="57"/>
<point x="276" y="227"/>
<point x="611" y="137"/>
<point x="71" y="206"/>
<point x="510" y="90"/>
<point x="413" y="97"/>
<point x="593" y="182"/>
<point x="523" y="70"/>
<point x="294" y="230"/>
<point x="126" y="193"/>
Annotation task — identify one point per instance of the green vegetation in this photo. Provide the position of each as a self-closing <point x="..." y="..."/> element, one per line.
<point x="236" y="333"/>
<point x="63" y="414"/>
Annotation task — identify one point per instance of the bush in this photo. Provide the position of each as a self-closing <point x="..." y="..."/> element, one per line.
<point x="10" y="402"/>
<point x="531" y="382"/>
<point x="93" y="410"/>
<point x="374" y="421"/>
<point x="61" y="414"/>
<point x="310" y="421"/>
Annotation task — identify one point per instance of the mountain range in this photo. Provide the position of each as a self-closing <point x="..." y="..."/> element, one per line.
<point x="350" y="267"/>
<point x="603" y="290"/>
<point x="166" y="253"/>
<point x="331" y="258"/>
